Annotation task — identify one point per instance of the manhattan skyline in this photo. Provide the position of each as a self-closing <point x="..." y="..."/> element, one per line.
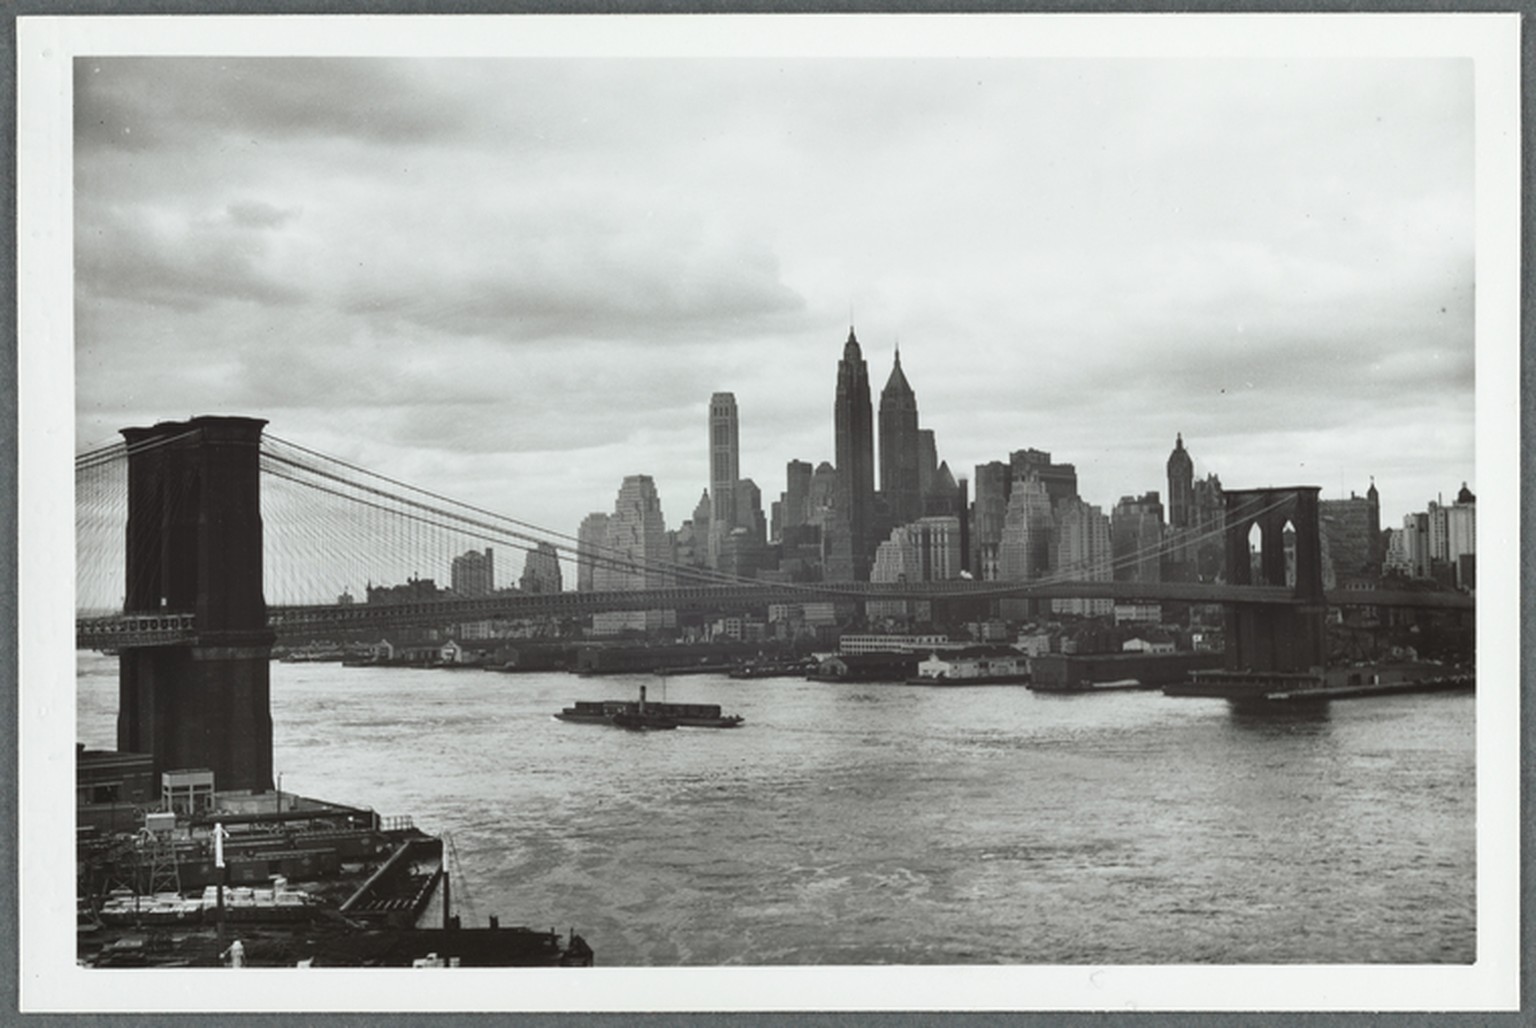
<point x="520" y="281"/>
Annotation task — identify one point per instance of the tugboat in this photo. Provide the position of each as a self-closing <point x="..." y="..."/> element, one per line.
<point x="641" y="719"/>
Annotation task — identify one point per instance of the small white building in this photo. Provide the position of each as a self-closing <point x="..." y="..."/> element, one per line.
<point x="1139" y="645"/>
<point x="974" y="664"/>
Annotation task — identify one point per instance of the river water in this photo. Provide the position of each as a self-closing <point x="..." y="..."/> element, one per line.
<point x="864" y="824"/>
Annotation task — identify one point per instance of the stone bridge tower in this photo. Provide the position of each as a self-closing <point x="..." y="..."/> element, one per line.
<point x="195" y="546"/>
<point x="1275" y="637"/>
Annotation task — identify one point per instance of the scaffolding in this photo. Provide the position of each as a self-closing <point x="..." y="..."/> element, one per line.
<point x="158" y="845"/>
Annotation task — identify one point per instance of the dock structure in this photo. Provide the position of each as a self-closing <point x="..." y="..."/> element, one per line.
<point x="294" y="878"/>
<point x="1256" y="688"/>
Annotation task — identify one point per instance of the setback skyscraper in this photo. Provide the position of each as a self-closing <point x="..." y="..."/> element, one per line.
<point x="900" y="448"/>
<point x="541" y="570"/>
<point x="851" y="545"/>
<point x="638" y="557"/>
<point x="474" y="574"/>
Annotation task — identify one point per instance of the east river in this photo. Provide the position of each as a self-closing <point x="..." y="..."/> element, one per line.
<point x="863" y="824"/>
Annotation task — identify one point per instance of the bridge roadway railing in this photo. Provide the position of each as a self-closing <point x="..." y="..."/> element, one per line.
<point x="116" y="631"/>
<point x="173" y="629"/>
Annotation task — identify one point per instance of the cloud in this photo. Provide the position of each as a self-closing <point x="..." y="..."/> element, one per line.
<point x="596" y="274"/>
<point x="147" y="103"/>
<point x="178" y="259"/>
<point x="528" y="276"/>
<point x="256" y="214"/>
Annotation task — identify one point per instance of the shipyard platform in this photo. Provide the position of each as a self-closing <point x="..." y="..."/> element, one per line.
<point x="178" y="879"/>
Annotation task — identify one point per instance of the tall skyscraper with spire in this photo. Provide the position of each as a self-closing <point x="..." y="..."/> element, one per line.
<point x="724" y="470"/>
<point x="851" y="545"/>
<point x="1181" y="486"/>
<point x="900" y="448"/>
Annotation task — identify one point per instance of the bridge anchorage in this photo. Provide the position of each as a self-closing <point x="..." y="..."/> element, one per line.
<point x="198" y="695"/>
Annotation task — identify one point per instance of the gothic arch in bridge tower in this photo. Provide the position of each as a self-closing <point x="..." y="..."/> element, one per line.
<point x="194" y="547"/>
<point x="1276" y="636"/>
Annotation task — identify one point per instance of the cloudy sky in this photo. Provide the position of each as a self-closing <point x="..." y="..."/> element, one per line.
<point x="516" y="281"/>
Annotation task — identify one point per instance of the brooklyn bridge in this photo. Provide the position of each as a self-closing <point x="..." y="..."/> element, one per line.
<point x="186" y="531"/>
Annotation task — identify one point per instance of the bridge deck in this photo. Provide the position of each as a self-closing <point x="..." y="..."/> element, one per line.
<point x="179" y="628"/>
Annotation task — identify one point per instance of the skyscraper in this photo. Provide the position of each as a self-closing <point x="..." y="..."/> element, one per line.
<point x="591" y="539"/>
<point x="541" y="570"/>
<point x="925" y="550"/>
<point x="724" y="470"/>
<point x="1024" y="554"/>
<point x="1352" y="529"/>
<point x="851" y="545"/>
<point x="1136" y="529"/>
<point x="900" y="448"/>
<point x="927" y="461"/>
<point x="797" y="495"/>
<point x="1060" y="480"/>
<point x="1180" y="558"/>
<point x="1083" y="554"/>
<point x="991" y="506"/>
<point x="1181" y="486"/>
<point x="474" y="574"/>
<point x="637" y="552"/>
<point x="1210" y="518"/>
<point x="823" y="494"/>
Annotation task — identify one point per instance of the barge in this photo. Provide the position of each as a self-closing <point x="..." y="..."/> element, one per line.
<point x="645" y="714"/>
<point x="1260" y="688"/>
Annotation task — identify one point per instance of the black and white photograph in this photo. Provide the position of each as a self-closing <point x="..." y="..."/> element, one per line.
<point x="769" y="512"/>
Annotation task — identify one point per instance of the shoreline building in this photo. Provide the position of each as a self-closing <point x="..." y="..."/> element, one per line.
<point x="724" y="470"/>
<point x="850" y="543"/>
